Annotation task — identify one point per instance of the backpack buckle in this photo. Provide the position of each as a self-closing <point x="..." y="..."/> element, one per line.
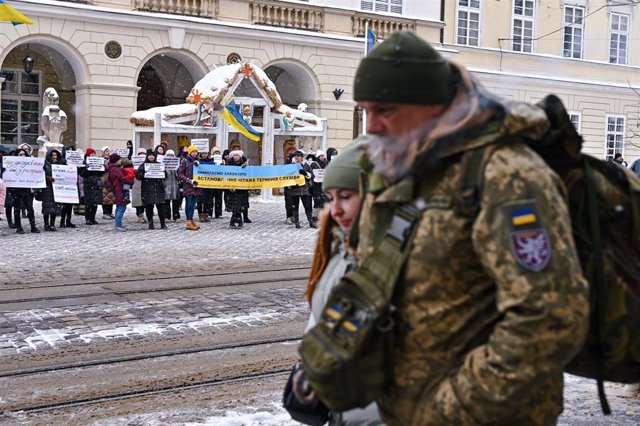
<point x="403" y="221"/>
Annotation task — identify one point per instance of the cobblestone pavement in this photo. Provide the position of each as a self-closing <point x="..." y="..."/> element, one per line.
<point x="93" y="252"/>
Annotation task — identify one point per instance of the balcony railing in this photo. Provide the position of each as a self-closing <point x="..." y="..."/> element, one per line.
<point x="287" y="15"/>
<point x="381" y="26"/>
<point x="201" y="8"/>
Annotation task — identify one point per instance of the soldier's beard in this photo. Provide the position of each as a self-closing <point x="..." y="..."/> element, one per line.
<point x="393" y="156"/>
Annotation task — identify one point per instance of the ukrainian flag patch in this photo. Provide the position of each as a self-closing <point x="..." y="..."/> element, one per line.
<point x="524" y="216"/>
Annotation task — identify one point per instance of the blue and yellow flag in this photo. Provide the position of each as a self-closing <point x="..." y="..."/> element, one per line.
<point x="250" y="177"/>
<point x="8" y="13"/>
<point x="372" y="41"/>
<point x="231" y="115"/>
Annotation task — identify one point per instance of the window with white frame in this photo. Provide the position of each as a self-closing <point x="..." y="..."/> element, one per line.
<point x="523" y="19"/>
<point x="573" y="32"/>
<point x="575" y="120"/>
<point x="392" y="6"/>
<point x="619" y="38"/>
<point x="614" y="136"/>
<point x="468" y="22"/>
<point x="20" y="107"/>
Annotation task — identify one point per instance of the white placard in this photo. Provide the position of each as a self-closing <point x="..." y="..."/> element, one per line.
<point x="201" y="144"/>
<point x="122" y="152"/>
<point x="23" y="172"/>
<point x="217" y="159"/>
<point x="137" y="160"/>
<point x="160" y="158"/>
<point x="171" y="163"/>
<point x="318" y="175"/>
<point x="74" y="158"/>
<point x="64" y="175"/>
<point x="95" y="164"/>
<point x="154" y="170"/>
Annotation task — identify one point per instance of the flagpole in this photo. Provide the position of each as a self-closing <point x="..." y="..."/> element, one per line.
<point x="366" y="43"/>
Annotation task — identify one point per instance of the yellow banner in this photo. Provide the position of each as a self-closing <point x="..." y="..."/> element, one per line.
<point x="250" y="177"/>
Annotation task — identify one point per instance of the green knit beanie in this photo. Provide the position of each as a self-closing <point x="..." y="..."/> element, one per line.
<point x="404" y="69"/>
<point x="343" y="172"/>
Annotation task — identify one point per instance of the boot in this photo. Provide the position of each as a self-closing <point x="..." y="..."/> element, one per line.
<point x="201" y="217"/>
<point x="245" y="216"/>
<point x="162" y="223"/>
<point x="62" y="223"/>
<point x="46" y="222"/>
<point x="68" y="224"/>
<point x="141" y="218"/>
<point x="206" y="217"/>
<point x="151" y="225"/>
<point x="16" y="221"/>
<point x="10" y="222"/>
<point x="312" y="223"/>
<point x="32" y="222"/>
<point x="192" y="226"/>
<point x="296" y="220"/>
<point x="52" y="223"/>
<point x="19" y="229"/>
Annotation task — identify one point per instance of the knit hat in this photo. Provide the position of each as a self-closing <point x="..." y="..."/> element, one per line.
<point x="404" y="69"/>
<point x="90" y="151"/>
<point x="214" y="150"/>
<point x="151" y="152"/>
<point x="298" y="153"/>
<point x="319" y="153"/>
<point x="236" y="152"/>
<point x="192" y="149"/>
<point x="344" y="171"/>
<point x="141" y="151"/>
<point x="104" y="148"/>
<point x="113" y="158"/>
<point x="126" y="162"/>
<point x="171" y="153"/>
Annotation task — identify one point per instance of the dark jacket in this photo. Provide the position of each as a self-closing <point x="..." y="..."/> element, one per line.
<point x="49" y="205"/>
<point x="238" y="200"/>
<point x="117" y="179"/>
<point x="303" y="189"/>
<point x="92" y="181"/>
<point x="185" y="174"/>
<point x="152" y="189"/>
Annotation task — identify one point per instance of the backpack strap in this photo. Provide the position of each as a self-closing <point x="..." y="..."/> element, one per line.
<point x="473" y="164"/>
<point x="597" y="280"/>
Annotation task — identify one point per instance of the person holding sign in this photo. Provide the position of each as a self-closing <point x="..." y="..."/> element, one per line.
<point x="189" y="186"/>
<point x="92" y="184"/>
<point x="238" y="198"/>
<point x="23" y="199"/>
<point x="301" y="192"/>
<point x="107" y="196"/>
<point x="152" y="177"/>
<point x="50" y="209"/>
<point x="216" y="158"/>
<point x="171" y="187"/>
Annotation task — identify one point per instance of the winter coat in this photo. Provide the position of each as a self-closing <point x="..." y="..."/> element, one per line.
<point x="152" y="189"/>
<point x="483" y="326"/>
<point x="117" y="179"/>
<point x="49" y="205"/>
<point x="93" y="185"/>
<point x="171" y="185"/>
<point x="136" y="194"/>
<point x="108" y="197"/>
<point x="3" y="195"/>
<point x="185" y="173"/>
<point x="302" y="189"/>
<point x="238" y="199"/>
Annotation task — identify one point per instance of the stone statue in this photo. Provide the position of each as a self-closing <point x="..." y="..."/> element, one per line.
<point x="53" y="122"/>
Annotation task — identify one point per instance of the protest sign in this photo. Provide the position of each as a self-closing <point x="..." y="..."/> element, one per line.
<point x="122" y="152"/>
<point x="154" y="170"/>
<point x="23" y="172"/>
<point x="74" y="158"/>
<point x="95" y="164"/>
<point x="137" y="160"/>
<point x="250" y="177"/>
<point x="318" y="175"/>
<point x="65" y="185"/>
<point x="217" y="159"/>
<point x="201" y="144"/>
<point x="171" y="163"/>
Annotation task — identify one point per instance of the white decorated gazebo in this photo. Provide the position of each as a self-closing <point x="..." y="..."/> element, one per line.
<point x="283" y="128"/>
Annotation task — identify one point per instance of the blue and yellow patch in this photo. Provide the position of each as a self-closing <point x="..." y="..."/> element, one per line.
<point x="352" y="326"/>
<point x="524" y="216"/>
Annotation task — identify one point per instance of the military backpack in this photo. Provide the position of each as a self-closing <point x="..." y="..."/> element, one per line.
<point x="604" y="205"/>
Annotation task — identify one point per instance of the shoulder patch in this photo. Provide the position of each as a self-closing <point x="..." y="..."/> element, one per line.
<point x="531" y="248"/>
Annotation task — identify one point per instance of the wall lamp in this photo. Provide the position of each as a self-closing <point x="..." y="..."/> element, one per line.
<point x="337" y="93"/>
<point x="28" y="62"/>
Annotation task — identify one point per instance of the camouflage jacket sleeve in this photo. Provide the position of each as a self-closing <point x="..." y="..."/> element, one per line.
<point x="523" y="239"/>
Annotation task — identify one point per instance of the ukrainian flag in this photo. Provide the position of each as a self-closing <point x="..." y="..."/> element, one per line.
<point x="524" y="216"/>
<point x="8" y="13"/>
<point x="372" y="41"/>
<point x="231" y="115"/>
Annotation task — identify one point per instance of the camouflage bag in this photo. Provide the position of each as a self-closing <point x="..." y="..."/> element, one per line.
<point x="604" y="204"/>
<point x="346" y="356"/>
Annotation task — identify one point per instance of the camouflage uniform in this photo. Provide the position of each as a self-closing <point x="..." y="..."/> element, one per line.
<point x="481" y="336"/>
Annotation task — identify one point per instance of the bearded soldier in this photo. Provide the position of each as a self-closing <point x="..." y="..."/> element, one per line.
<point x="492" y="304"/>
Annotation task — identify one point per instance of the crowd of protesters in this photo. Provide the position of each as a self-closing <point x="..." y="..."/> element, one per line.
<point x="163" y="198"/>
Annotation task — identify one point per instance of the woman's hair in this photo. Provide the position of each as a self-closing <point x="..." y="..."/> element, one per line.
<point x="322" y="252"/>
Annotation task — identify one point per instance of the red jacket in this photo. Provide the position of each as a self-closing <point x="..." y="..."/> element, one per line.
<point x="117" y="178"/>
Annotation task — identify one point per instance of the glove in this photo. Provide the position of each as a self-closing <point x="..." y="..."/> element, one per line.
<point x="194" y="183"/>
<point x="196" y="163"/>
<point x="243" y="165"/>
<point x="302" y="172"/>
